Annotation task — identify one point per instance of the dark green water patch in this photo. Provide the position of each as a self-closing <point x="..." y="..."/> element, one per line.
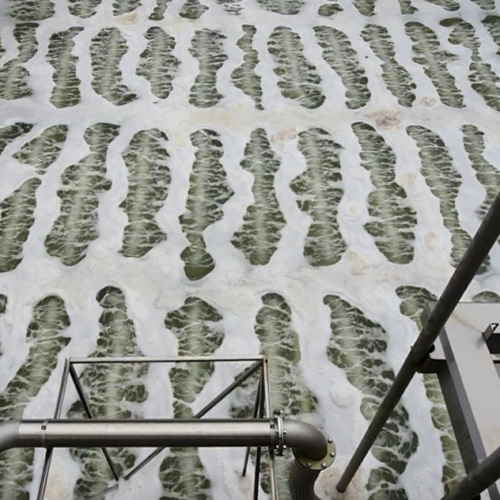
<point x="365" y="7"/>
<point x="358" y="346"/>
<point x="12" y="132"/>
<point x="286" y="7"/>
<point x="487" y="296"/>
<point x="42" y="151"/>
<point x="279" y="341"/>
<point x="329" y="9"/>
<point x="434" y="61"/>
<point x="81" y="185"/>
<point x="413" y="302"/>
<point x="107" y="50"/>
<point x="444" y="181"/>
<point x="31" y="10"/>
<point x="46" y="339"/>
<point x="393" y="219"/>
<point x="113" y="390"/>
<point x="149" y="178"/>
<point x="3" y="304"/>
<point x="487" y="175"/>
<point x="157" y="63"/>
<point x="483" y="79"/>
<point x="232" y="7"/>
<point x="208" y="192"/>
<point x="245" y="77"/>
<point x="263" y="222"/>
<point x="66" y="91"/>
<point x="198" y="328"/>
<point x="183" y="476"/>
<point x="193" y="9"/>
<point x="395" y="76"/>
<point x="13" y="74"/>
<point x="199" y="331"/>
<point x="319" y="191"/>
<point x="298" y="78"/>
<point x="83" y="8"/>
<point x="125" y="6"/>
<point x="289" y="392"/>
<point x="207" y="48"/>
<point x="492" y="24"/>
<point x="16" y="219"/>
<point x="450" y="5"/>
<point x="407" y="8"/>
<point x="485" y="4"/>
<point x="342" y="58"/>
<point x="159" y="11"/>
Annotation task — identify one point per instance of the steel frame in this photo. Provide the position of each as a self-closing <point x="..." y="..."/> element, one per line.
<point x="468" y="375"/>
<point x="480" y="246"/>
<point x="262" y="409"/>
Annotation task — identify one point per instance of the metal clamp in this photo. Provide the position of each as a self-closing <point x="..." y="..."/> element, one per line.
<point x="43" y="437"/>
<point x="280" y="434"/>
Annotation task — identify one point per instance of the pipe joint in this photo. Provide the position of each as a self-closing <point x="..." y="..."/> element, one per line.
<point x="316" y="465"/>
<point x="310" y="445"/>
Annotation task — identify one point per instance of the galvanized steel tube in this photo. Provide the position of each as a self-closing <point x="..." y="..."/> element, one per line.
<point x="307" y="441"/>
<point x="152" y="433"/>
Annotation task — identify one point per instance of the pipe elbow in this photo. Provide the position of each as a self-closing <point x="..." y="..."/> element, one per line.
<point x="9" y="435"/>
<point x="306" y="438"/>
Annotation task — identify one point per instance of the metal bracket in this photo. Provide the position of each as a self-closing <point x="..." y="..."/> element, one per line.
<point x="492" y="337"/>
<point x="279" y="429"/>
<point x="469" y="380"/>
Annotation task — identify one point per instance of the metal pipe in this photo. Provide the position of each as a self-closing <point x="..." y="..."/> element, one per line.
<point x="164" y="359"/>
<point x="483" y="241"/>
<point x="169" y="433"/>
<point x="483" y="476"/>
<point x="267" y="398"/>
<point x="48" y="455"/>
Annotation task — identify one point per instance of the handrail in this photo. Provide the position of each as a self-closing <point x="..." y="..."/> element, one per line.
<point x="313" y="450"/>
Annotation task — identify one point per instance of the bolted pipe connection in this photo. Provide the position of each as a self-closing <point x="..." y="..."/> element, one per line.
<point x="313" y="452"/>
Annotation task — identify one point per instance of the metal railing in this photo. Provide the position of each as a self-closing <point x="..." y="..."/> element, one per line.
<point x="313" y="450"/>
<point x="486" y="236"/>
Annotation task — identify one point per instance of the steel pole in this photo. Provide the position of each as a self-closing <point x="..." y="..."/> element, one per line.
<point x="483" y="241"/>
<point x="483" y="476"/>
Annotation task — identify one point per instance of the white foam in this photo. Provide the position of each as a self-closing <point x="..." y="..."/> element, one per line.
<point x="156" y="284"/>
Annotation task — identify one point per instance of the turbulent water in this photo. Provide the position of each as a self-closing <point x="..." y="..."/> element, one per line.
<point x="290" y="177"/>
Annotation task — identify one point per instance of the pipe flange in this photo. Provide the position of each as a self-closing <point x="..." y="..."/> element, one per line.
<point x="279" y="429"/>
<point x="317" y="465"/>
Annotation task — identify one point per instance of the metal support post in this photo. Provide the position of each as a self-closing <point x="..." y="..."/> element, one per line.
<point x="88" y="411"/>
<point x="483" y="241"/>
<point x="57" y="414"/>
<point x="254" y="415"/>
